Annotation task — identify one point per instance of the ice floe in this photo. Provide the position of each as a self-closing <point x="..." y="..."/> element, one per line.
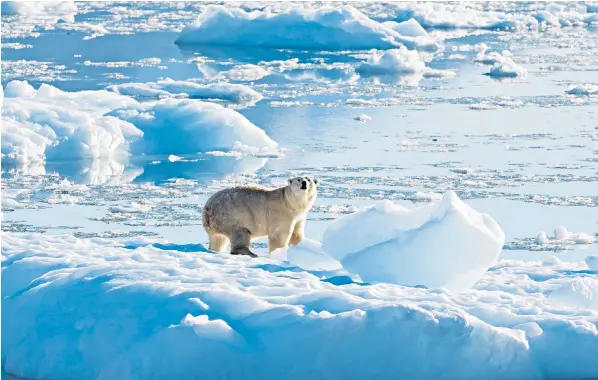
<point x="325" y="28"/>
<point x="48" y="124"/>
<point x="152" y="301"/>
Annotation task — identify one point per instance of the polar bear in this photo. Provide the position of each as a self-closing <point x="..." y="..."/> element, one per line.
<point x="239" y="214"/>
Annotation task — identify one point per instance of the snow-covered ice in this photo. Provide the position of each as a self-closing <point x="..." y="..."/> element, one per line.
<point x="123" y="302"/>
<point x="444" y="244"/>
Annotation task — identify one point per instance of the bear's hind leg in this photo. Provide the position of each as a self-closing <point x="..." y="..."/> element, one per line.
<point x="217" y="242"/>
<point x="240" y="243"/>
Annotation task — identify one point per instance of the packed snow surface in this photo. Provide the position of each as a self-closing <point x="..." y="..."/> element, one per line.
<point x="325" y="28"/>
<point x="50" y="124"/>
<point x="443" y="244"/>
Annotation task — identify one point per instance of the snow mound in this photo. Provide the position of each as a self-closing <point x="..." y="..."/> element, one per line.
<point x="48" y="124"/>
<point x="236" y="93"/>
<point x="325" y="28"/>
<point x="584" y="89"/>
<point x="442" y="244"/>
<point x="399" y="63"/>
<point x="185" y="126"/>
<point x="579" y="293"/>
<point x="308" y="254"/>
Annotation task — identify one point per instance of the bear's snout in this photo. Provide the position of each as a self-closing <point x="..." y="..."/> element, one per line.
<point x="303" y="185"/>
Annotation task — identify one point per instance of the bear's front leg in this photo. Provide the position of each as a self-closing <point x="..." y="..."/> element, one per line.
<point x="279" y="237"/>
<point x="297" y="234"/>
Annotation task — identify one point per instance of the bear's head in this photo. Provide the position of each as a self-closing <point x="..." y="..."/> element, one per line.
<point x="303" y="186"/>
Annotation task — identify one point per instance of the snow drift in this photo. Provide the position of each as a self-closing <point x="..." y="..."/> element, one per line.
<point x="443" y="244"/>
<point x="48" y="124"/>
<point x="325" y="28"/>
<point x="236" y="93"/>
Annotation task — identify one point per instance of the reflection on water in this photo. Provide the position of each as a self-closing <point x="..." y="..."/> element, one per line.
<point x="202" y="168"/>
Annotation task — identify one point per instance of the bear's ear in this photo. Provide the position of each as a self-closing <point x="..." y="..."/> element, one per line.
<point x="290" y="181"/>
<point x="316" y="181"/>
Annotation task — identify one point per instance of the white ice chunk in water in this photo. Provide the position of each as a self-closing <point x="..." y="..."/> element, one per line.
<point x="583" y="89"/>
<point x="362" y="118"/>
<point x="398" y="63"/>
<point x="443" y="244"/>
